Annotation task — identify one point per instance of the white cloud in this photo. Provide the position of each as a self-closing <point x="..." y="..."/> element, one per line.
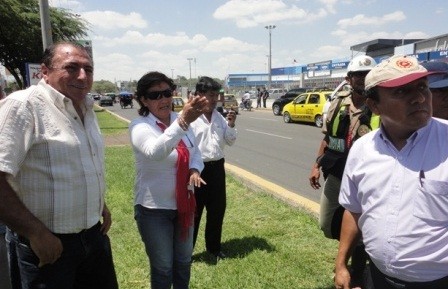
<point x="362" y="19"/>
<point x="328" y="52"/>
<point x="330" y="5"/>
<point x="251" y="13"/>
<point x="230" y="44"/>
<point x="110" y="20"/>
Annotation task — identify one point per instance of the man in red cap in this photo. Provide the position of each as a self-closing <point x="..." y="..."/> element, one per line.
<point x="394" y="187"/>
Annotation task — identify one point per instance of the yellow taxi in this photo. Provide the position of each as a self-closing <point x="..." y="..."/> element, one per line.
<point x="307" y="107"/>
<point x="178" y="104"/>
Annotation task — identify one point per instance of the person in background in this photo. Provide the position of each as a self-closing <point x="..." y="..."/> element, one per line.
<point x="394" y="184"/>
<point x="168" y="166"/>
<point x="52" y="185"/>
<point x="264" y="96"/>
<point x="246" y="99"/>
<point x="213" y="132"/>
<point x="438" y="84"/>
<point x="348" y="119"/>
<point x="259" y="95"/>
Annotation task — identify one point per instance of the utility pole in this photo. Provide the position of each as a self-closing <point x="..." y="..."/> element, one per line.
<point x="269" y="28"/>
<point x="189" y="62"/>
<point x="45" y="24"/>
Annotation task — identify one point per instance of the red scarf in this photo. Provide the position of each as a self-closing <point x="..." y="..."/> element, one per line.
<point x="186" y="203"/>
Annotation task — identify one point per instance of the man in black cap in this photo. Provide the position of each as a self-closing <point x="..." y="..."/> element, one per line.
<point x="438" y="84"/>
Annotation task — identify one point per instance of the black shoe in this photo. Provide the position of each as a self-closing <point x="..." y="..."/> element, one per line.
<point x="220" y="255"/>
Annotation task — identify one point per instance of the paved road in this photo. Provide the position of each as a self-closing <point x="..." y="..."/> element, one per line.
<point x="281" y="153"/>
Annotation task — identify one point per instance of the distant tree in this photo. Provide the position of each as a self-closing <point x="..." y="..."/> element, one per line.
<point x="104" y="86"/>
<point x="21" y="36"/>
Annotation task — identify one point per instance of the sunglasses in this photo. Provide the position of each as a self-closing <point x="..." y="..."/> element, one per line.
<point x="156" y="95"/>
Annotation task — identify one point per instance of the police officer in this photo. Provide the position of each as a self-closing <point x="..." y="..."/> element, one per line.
<point x="348" y="119"/>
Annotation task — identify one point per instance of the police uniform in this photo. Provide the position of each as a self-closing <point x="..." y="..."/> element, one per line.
<point x="345" y="123"/>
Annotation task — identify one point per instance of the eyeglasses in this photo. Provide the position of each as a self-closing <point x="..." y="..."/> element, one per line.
<point x="156" y="95"/>
<point x="73" y="68"/>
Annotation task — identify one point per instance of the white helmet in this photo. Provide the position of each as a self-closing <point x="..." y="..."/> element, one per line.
<point x="361" y="63"/>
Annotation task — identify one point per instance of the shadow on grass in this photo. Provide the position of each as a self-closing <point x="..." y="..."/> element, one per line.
<point x="236" y="248"/>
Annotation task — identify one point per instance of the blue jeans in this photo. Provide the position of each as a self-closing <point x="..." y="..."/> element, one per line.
<point x="169" y="256"/>
<point x="85" y="263"/>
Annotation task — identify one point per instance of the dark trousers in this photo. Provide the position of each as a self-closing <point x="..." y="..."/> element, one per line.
<point x="381" y="281"/>
<point x="264" y="102"/>
<point x="212" y="196"/>
<point x="85" y="263"/>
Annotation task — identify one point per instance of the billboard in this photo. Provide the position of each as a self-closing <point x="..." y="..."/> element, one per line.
<point x="33" y="73"/>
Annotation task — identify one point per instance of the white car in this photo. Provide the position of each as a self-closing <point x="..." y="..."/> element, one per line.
<point x="276" y="92"/>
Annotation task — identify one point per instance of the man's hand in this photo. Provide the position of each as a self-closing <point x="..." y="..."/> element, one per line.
<point x="314" y="177"/>
<point x="47" y="247"/>
<point x="107" y="220"/>
<point x="342" y="279"/>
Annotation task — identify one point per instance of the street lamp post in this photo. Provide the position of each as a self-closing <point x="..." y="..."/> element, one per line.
<point x="45" y="24"/>
<point x="189" y="62"/>
<point x="172" y="73"/>
<point x="269" y="28"/>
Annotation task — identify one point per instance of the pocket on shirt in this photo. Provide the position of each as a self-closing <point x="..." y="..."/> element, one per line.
<point x="431" y="202"/>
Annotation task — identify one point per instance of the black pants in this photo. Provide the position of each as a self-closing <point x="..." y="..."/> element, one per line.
<point x="86" y="263"/>
<point x="381" y="281"/>
<point x="212" y="196"/>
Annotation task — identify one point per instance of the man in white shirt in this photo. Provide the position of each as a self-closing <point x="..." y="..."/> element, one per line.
<point x="52" y="177"/>
<point x="394" y="187"/>
<point x="213" y="132"/>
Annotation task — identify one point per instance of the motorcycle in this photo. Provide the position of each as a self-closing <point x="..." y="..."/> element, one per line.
<point x="246" y="105"/>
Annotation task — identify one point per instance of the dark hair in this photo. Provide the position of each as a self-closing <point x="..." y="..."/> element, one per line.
<point x="147" y="81"/>
<point x="372" y="93"/>
<point x="50" y="51"/>
<point x="206" y="84"/>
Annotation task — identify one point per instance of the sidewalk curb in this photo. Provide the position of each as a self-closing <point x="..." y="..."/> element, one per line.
<point x="255" y="182"/>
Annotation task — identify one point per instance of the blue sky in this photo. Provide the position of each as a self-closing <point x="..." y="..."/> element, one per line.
<point x="133" y="37"/>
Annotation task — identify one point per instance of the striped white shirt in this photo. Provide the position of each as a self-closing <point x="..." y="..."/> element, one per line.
<point x="54" y="161"/>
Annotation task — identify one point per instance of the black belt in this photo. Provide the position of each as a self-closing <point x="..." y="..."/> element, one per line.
<point x="214" y="163"/>
<point x="441" y="283"/>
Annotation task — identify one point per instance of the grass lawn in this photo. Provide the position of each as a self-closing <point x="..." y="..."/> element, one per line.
<point x="268" y="243"/>
<point x="109" y="124"/>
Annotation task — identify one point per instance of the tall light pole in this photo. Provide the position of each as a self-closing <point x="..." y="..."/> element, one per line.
<point x="45" y="24"/>
<point x="189" y="62"/>
<point x="269" y="28"/>
<point x="172" y="73"/>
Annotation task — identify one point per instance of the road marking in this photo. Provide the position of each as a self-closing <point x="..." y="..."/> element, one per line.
<point x="264" y="119"/>
<point x="273" y="189"/>
<point x="260" y="132"/>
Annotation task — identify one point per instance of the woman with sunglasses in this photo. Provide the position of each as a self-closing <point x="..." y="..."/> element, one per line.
<point x="168" y="166"/>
